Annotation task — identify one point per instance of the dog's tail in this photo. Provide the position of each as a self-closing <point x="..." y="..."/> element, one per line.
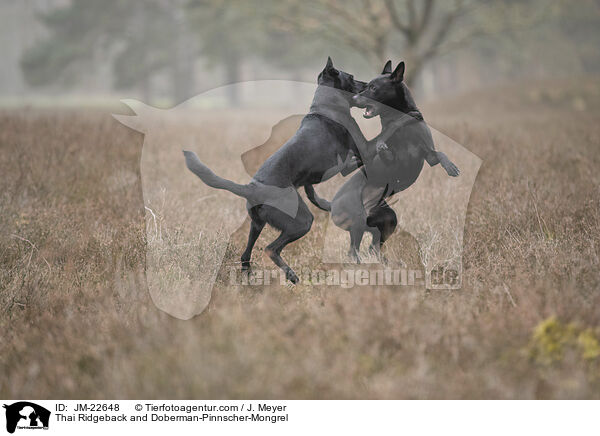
<point x="211" y="179"/>
<point x="321" y="203"/>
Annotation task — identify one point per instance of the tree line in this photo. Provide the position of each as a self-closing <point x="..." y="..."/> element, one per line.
<point x="143" y="38"/>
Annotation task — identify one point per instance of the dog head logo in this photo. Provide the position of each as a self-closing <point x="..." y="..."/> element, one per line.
<point x="26" y="415"/>
<point x="189" y="224"/>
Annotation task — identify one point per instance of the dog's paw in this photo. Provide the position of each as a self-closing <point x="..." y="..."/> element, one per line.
<point x="375" y="252"/>
<point x="448" y="165"/>
<point x="381" y="146"/>
<point x="351" y="164"/>
<point x="354" y="256"/>
<point x="291" y="276"/>
<point x="451" y="169"/>
<point x="354" y="162"/>
<point x="383" y="259"/>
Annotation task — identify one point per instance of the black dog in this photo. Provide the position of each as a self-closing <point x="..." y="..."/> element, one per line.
<point x="359" y="206"/>
<point x="319" y="150"/>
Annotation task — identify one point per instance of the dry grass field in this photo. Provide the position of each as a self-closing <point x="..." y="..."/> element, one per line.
<point x="77" y="320"/>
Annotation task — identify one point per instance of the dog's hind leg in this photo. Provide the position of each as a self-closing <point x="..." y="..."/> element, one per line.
<point x="375" y="247"/>
<point x="356" y="236"/>
<point x="292" y="230"/>
<point x="256" y="227"/>
<point x="383" y="222"/>
<point x="387" y="223"/>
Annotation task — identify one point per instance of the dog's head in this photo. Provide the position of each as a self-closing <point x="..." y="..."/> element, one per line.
<point x="338" y="79"/>
<point x="388" y="89"/>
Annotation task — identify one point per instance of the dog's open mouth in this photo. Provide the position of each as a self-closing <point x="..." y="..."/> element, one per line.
<point x="370" y="111"/>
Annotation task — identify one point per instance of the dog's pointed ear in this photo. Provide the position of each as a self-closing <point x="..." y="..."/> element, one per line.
<point x="330" y="68"/>
<point x="388" y="68"/>
<point x="398" y="74"/>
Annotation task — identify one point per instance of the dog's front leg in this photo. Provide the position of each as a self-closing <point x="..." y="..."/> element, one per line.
<point x="352" y="162"/>
<point x="448" y="165"/>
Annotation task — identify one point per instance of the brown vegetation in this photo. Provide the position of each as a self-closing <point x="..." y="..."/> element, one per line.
<point x="77" y="320"/>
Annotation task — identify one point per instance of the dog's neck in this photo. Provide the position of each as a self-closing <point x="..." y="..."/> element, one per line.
<point x="334" y="104"/>
<point x="389" y="115"/>
<point x="328" y="100"/>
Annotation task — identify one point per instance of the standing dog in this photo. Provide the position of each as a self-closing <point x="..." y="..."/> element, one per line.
<point x="359" y="206"/>
<point x="317" y="151"/>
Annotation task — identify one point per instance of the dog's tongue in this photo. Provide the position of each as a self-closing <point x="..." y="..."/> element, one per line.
<point x="368" y="111"/>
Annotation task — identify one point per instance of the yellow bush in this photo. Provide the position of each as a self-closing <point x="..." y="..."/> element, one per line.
<point x="552" y="337"/>
<point x="588" y="342"/>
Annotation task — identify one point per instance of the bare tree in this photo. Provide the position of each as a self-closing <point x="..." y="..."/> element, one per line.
<point x="414" y="30"/>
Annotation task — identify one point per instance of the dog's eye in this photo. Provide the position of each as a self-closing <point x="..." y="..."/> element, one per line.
<point x="372" y="87"/>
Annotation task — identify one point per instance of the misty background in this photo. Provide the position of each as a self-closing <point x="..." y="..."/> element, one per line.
<point x="60" y="52"/>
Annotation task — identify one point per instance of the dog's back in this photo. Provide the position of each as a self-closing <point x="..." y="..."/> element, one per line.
<point x="309" y="156"/>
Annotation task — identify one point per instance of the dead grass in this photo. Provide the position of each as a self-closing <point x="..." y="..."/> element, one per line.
<point x="77" y="320"/>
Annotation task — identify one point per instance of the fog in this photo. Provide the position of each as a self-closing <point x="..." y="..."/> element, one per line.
<point x="59" y="52"/>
